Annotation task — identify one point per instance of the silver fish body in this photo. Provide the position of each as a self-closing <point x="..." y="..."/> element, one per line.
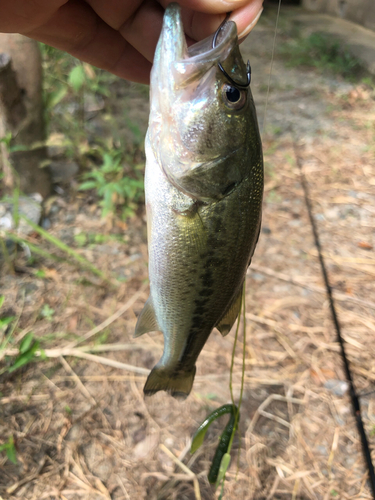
<point x="204" y="186"/>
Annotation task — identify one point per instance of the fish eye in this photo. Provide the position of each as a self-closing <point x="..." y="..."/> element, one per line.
<point x="233" y="94"/>
<point x="233" y="97"/>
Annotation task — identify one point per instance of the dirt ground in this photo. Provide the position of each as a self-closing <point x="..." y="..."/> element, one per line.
<point x="81" y="426"/>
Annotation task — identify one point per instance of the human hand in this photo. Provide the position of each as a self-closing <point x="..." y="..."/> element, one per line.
<point x="119" y="36"/>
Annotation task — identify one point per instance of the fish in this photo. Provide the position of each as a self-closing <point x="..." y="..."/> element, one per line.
<point x="203" y="192"/>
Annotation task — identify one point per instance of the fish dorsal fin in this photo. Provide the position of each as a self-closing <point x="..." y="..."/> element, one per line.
<point x="225" y="324"/>
<point x="147" y="321"/>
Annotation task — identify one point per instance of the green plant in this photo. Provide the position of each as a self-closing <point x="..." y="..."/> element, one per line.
<point x="70" y="76"/>
<point x="5" y="320"/>
<point x="72" y="254"/>
<point x="9" y="449"/>
<point x="68" y="85"/>
<point x="92" y="239"/>
<point x="40" y="273"/>
<point x="8" y="324"/>
<point x="80" y="239"/>
<point x="7" y="139"/>
<point x="27" y="350"/>
<point x="68" y="410"/>
<point x="47" y="312"/>
<point x="115" y="189"/>
<point x="113" y="167"/>
<point x="323" y="52"/>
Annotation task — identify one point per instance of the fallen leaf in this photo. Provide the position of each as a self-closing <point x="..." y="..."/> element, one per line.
<point x="365" y="245"/>
<point x="325" y="372"/>
<point x="121" y="224"/>
<point x="51" y="273"/>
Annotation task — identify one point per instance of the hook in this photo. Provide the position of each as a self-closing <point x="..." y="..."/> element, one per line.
<point x="248" y="68"/>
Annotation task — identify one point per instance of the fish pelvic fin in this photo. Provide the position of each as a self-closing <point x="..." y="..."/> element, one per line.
<point x="225" y="324"/>
<point x="147" y="321"/>
<point x="178" y="384"/>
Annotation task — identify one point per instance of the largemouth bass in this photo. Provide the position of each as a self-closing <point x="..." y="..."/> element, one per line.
<point x="204" y="187"/>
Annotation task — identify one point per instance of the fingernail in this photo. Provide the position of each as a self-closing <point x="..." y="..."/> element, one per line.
<point x="247" y="30"/>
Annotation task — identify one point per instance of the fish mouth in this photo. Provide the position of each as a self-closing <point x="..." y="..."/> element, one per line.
<point x="185" y="101"/>
<point x="181" y="64"/>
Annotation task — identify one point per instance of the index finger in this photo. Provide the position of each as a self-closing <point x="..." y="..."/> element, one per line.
<point x="210" y="6"/>
<point x="77" y="29"/>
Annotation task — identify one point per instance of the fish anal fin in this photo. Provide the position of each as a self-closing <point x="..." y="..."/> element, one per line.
<point x="147" y="321"/>
<point x="225" y="324"/>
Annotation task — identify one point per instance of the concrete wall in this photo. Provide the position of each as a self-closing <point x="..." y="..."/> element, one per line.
<point x="358" y="11"/>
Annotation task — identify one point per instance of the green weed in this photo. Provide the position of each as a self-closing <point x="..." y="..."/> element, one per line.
<point x="40" y="273"/>
<point x="112" y="170"/>
<point x="68" y="80"/>
<point x="26" y="353"/>
<point x="117" y="191"/>
<point x="323" y="52"/>
<point x="103" y="337"/>
<point x="80" y="239"/>
<point x="27" y="350"/>
<point x="5" y="321"/>
<point x="92" y="239"/>
<point x="68" y="410"/>
<point x="82" y="261"/>
<point x="6" y="139"/>
<point x="47" y="312"/>
<point x="8" y="324"/>
<point x="10" y="450"/>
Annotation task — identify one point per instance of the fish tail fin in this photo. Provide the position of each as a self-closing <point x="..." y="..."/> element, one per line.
<point x="178" y="384"/>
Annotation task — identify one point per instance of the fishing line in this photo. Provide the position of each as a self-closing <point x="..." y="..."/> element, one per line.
<point x="271" y="67"/>
<point x="353" y="394"/>
<point x="243" y="365"/>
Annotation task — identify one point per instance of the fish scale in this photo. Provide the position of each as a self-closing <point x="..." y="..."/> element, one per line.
<point x="204" y="185"/>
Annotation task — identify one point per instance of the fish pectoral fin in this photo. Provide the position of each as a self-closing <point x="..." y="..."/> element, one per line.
<point x="225" y="324"/>
<point x="147" y="321"/>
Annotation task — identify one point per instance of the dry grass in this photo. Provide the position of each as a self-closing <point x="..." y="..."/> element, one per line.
<point x="81" y="425"/>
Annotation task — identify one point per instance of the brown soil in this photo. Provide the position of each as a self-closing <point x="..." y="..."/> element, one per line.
<point x="82" y="427"/>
